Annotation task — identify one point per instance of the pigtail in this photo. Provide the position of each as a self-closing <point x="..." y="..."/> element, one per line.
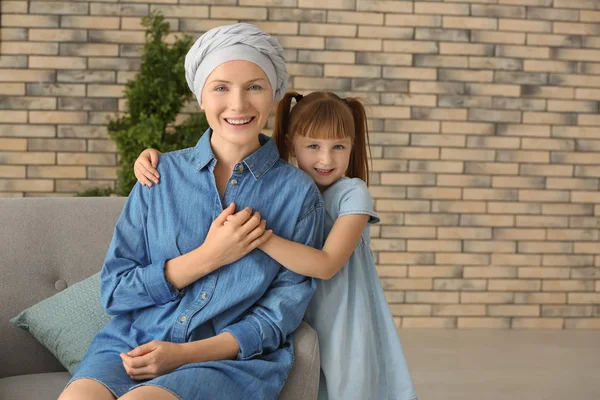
<point x="282" y="118"/>
<point x="359" y="160"/>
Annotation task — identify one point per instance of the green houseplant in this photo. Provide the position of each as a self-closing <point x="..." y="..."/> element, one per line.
<point x="154" y="99"/>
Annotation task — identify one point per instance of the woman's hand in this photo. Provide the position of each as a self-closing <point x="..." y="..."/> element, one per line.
<point x="232" y="236"/>
<point x="144" y="167"/>
<point x="152" y="359"/>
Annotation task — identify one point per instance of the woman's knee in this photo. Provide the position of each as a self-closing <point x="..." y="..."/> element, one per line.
<point x="149" y="392"/>
<point x="84" y="389"/>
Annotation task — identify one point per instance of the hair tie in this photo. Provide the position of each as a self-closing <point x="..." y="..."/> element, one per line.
<point x="298" y="97"/>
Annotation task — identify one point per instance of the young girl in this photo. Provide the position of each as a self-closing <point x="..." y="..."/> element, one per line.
<point x="361" y="355"/>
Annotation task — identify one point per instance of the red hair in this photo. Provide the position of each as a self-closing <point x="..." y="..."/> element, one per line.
<point x="324" y="115"/>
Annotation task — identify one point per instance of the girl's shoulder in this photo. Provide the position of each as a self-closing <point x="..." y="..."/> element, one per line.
<point x="350" y="196"/>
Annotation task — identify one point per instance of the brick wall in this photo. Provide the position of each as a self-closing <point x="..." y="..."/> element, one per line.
<point x="484" y="128"/>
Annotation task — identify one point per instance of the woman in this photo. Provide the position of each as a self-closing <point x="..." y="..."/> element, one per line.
<point x="191" y="320"/>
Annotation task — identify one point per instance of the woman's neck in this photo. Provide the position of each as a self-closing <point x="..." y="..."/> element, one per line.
<point x="229" y="154"/>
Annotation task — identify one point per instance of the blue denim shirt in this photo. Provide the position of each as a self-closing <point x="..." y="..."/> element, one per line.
<point x="255" y="299"/>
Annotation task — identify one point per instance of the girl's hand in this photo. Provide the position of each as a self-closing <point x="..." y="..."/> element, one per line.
<point x="232" y="236"/>
<point x="144" y="167"/>
<point x="152" y="359"/>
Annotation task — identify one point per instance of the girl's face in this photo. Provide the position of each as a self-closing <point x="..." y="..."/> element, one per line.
<point x="325" y="160"/>
<point x="237" y="99"/>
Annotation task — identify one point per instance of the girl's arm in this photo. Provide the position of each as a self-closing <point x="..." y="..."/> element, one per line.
<point x="325" y="263"/>
<point x="145" y="165"/>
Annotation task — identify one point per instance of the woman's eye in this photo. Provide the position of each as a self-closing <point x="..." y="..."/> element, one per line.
<point x="255" y="87"/>
<point x="338" y="147"/>
<point x="220" y="89"/>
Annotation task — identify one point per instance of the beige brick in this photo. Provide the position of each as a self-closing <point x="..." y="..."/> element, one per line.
<point x="88" y="49"/>
<point x="543" y="273"/>
<point x="433" y="193"/>
<point x="55" y="7"/>
<point x="584" y="170"/>
<point x="552" y="40"/>
<point x="45" y="144"/>
<point x="498" y="37"/>
<point x="414" y="126"/>
<point x="10" y="130"/>
<point x="431" y="219"/>
<point x="486" y="297"/>
<point x="20" y="75"/>
<point x="101" y="146"/>
<point x="7" y="171"/>
<point x="513" y="310"/>
<point x="119" y="9"/>
<point x="523" y="51"/>
<point x="89" y="22"/>
<point x="464" y="180"/>
<point x="489" y="194"/>
<point x="519" y="234"/>
<point x="464" y="233"/>
<point x="13" y="116"/>
<point x="26" y="185"/>
<point x="583" y="298"/>
<point x="441" y="8"/>
<point x="587" y="94"/>
<point x="359" y="18"/>
<point x="529" y="285"/>
<point x="566" y="311"/>
<point x="436" y="166"/>
<point x="308" y="29"/>
<point x="105" y="90"/>
<point x="29" y="21"/>
<point x="410" y="309"/>
<point x="586" y="248"/>
<point x="495" y="63"/>
<point x="48" y="171"/>
<point x="551" y="92"/>
<point x="85" y="159"/>
<point x="523" y="156"/>
<point x="490" y="272"/>
<point x="392" y="271"/>
<point x="570" y="28"/>
<point x="518" y="182"/>
<point x="582" y="323"/>
<point x="72" y="185"/>
<point x="549" y="66"/>
<point x="487" y="220"/>
<point x="57" y="62"/>
<point x="433" y="245"/>
<point x="408" y="99"/>
<point x="570" y="260"/>
<point x="12" y="89"/>
<point x="28" y="48"/>
<point x="513" y="208"/>
<point x="303" y="70"/>
<point x="407" y="179"/>
<point x="589" y="16"/>
<point x="14" y="7"/>
<point x="430" y="60"/>
<point x="393" y="6"/>
<point x="462" y="259"/>
<point x="385" y="32"/>
<point x="483" y="323"/>
<point x="13" y="61"/>
<point x="573" y="234"/>
<point x="387" y="245"/>
<point x="413" y="20"/>
<point x="468" y="128"/>
<point x="469" y="23"/>
<point x="476" y="114"/>
<point x="518" y="104"/>
<point x="349" y="71"/>
<point x="515" y="259"/>
<point x="333" y="4"/>
<point x="432" y="297"/>
<point x="585" y="197"/>
<point x="543" y="195"/>
<point x="424" y="271"/>
<point x="406" y="284"/>
<point x="537" y="323"/>
<point x="541" y="221"/>
<point x="303" y="42"/>
<point x="408" y="232"/>
<point x="428" y="323"/>
<point x="467" y="49"/>
<point x="467" y="154"/>
<point x="546" y="170"/>
<point x="575" y="80"/>
<point x="572" y="183"/>
<point x="493" y="142"/>
<point x="521" y="25"/>
<point x="410" y="46"/>
<point x="463" y="207"/>
<point x="491" y="168"/>
<point x="13" y="144"/>
<point x="587" y="119"/>
<point x="436" y="87"/>
<point x="389" y="139"/>
<point x="574" y="158"/>
<point x="14" y="33"/>
<point x="405" y="258"/>
<point x="457" y="114"/>
<point x="391" y="59"/>
<point x="459" y="310"/>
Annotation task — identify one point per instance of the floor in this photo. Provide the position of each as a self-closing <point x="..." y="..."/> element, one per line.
<point x="504" y="364"/>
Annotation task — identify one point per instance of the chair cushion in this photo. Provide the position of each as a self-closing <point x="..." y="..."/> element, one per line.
<point x="47" y="386"/>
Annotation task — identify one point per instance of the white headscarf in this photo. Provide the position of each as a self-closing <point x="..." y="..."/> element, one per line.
<point x="236" y="42"/>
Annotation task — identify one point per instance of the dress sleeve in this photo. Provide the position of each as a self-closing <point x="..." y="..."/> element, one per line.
<point x="355" y="198"/>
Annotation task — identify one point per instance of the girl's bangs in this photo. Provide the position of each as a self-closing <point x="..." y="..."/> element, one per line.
<point x="325" y="120"/>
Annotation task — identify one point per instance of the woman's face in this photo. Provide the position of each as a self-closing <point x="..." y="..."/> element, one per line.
<point x="237" y="99"/>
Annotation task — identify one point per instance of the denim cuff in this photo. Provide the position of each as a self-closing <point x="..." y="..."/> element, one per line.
<point x="248" y="337"/>
<point x="159" y="289"/>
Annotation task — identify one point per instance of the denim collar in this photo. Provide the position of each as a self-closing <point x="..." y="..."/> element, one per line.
<point x="258" y="163"/>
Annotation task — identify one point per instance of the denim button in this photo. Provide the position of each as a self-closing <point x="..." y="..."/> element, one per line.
<point x="204" y="296"/>
<point x="183" y="318"/>
<point x="234" y="182"/>
<point x="240" y="168"/>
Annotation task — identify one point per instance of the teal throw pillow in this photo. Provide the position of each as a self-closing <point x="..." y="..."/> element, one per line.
<point x="67" y="322"/>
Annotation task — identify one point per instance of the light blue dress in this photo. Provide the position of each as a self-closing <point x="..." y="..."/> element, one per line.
<point x="361" y="354"/>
